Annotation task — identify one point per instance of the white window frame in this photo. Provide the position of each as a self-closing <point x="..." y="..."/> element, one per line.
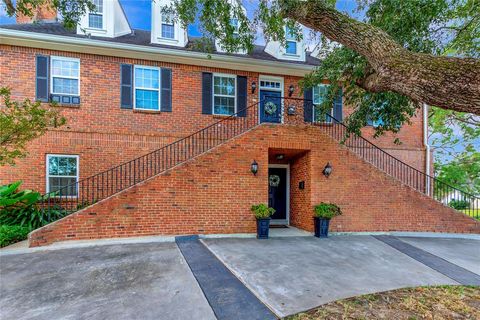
<point x="64" y="77"/>
<point x="47" y="174"/>
<point x="315" y="104"/>
<point x="164" y="22"/>
<point x="149" y="89"/>
<point x="289" y="38"/>
<point x="224" y="75"/>
<point x="98" y="14"/>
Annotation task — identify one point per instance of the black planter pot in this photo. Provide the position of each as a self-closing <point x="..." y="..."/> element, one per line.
<point x="321" y="227"/>
<point x="262" y="228"/>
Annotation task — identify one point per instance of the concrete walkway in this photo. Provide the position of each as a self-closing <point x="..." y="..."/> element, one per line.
<point x="154" y="281"/>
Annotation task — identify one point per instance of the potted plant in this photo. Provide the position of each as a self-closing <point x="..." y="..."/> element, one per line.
<point x="323" y="212"/>
<point x="262" y="212"/>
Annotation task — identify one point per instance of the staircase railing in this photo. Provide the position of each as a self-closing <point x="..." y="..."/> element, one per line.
<point x="423" y="182"/>
<point x="88" y="191"/>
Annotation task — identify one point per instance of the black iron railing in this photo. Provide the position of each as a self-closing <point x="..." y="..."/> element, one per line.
<point x="420" y="181"/>
<point x="107" y="183"/>
<point x="88" y="191"/>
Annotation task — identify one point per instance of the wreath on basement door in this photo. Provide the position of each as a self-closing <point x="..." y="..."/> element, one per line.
<point x="274" y="180"/>
<point x="270" y="108"/>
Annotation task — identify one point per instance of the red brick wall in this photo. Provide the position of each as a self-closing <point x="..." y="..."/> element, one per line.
<point x="103" y="135"/>
<point x="213" y="194"/>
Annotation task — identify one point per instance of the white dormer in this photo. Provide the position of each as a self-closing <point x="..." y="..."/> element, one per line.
<point x="293" y="50"/>
<point x="164" y="29"/>
<point x="235" y="23"/>
<point x="108" y="20"/>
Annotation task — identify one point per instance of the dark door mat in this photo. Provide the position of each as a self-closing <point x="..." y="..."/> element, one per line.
<point x="457" y="273"/>
<point x="228" y="296"/>
<point x="278" y="226"/>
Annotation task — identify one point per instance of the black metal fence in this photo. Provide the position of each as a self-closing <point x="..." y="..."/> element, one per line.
<point x="408" y="175"/>
<point x="107" y="183"/>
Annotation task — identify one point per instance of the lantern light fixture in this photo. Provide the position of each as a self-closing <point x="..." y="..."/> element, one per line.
<point x="327" y="170"/>
<point x="291" y="89"/>
<point x="254" y="86"/>
<point x="254" y="167"/>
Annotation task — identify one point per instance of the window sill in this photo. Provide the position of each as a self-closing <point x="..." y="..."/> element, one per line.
<point x="223" y="116"/>
<point x="169" y="40"/>
<point x="147" y="111"/>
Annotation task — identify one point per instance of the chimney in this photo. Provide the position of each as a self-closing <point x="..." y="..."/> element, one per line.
<point x="45" y="12"/>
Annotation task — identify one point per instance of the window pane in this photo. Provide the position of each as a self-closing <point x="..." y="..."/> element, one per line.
<point x="290" y="34"/>
<point x="147" y="78"/>
<point x="168" y="31"/>
<point x="291" y="47"/>
<point x="62" y="166"/>
<point x="57" y="185"/>
<point x="65" y="68"/>
<point x="98" y="5"/>
<point x="319" y="93"/>
<point x="224" y="86"/>
<point x="146" y="99"/>
<point x="65" y="86"/>
<point x="320" y="115"/>
<point x="224" y="105"/>
<point x="95" y="21"/>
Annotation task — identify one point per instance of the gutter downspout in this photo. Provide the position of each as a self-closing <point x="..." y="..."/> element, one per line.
<point x="427" y="148"/>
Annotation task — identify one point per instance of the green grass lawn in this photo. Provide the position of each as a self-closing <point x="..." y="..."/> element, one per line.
<point x="475" y="213"/>
<point x="441" y="302"/>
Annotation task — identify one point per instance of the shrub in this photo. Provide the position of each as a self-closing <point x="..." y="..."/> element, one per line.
<point x="262" y="211"/>
<point x="22" y="208"/>
<point x="326" y="210"/>
<point x="459" y="204"/>
<point x="12" y="234"/>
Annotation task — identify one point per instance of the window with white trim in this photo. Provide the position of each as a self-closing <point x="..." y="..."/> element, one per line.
<point x="147" y="88"/>
<point x="224" y="94"/>
<point x="319" y="96"/>
<point x="236" y="26"/>
<point x="168" y="26"/>
<point x="62" y="174"/>
<point x="291" y="47"/>
<point x="95" y="18"/>
<point x="65" y="76"/>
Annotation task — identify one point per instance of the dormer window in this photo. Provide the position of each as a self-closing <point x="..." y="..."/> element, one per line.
<point x="168" y="27"/>
<point x="291" y="47"/>
<point x="95" y="18"/>
<point x="236" y="28"/>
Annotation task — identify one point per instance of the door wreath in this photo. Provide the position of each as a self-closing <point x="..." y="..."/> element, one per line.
<point x="270" y="108"/>
<point x="274" y="180"/>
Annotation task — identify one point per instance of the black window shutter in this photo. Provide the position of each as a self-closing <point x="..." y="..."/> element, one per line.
<point x="241" y="96"/>
<point x="166" y="90"/>
<point x="126" y="87"/>
<point x="338" y="106"/>
<point x="207" y="92"/>
<point x="41" y="82"/>
<point x="308" y="105"/>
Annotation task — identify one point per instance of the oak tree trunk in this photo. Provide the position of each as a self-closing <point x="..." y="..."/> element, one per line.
<point x="446" y="82"/>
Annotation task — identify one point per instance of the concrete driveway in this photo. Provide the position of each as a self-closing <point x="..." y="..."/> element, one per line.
<point x="286" y="274"/>
<point x="135" y="281"/>
<point x="291" y="275"/>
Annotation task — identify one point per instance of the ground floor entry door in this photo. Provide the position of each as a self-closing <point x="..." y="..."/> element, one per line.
<point x="278" y="193"/>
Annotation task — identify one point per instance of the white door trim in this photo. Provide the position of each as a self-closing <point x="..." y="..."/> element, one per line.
<point x="287" y="220"/>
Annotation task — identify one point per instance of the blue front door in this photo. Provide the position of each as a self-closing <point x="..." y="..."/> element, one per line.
<point x="270" y="106"/>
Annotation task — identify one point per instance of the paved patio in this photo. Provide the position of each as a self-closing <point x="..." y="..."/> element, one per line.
<point x="154" y="280"/>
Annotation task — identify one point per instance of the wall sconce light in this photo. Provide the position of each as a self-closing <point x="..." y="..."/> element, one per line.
<point x="254" y="86"/>
<point x="254" y="167"/>
<point x="327" y="170"/>
<point x="280" y="156"/>
<point x="290" y="90"/>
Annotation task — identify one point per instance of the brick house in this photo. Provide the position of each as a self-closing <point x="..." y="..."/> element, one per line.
<point x="161" y="136"/>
